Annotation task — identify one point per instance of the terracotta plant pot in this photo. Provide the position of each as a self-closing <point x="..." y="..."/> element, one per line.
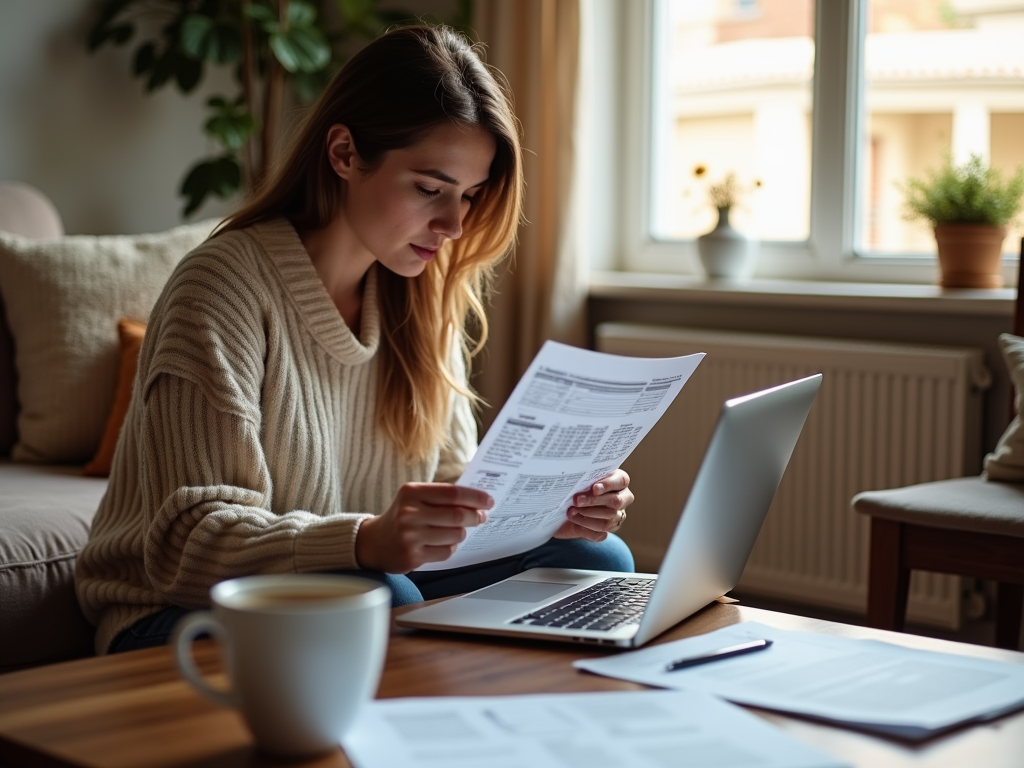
<point x="970" y="255"/>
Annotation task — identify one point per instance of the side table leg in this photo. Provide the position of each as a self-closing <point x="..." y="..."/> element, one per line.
<point x="1009" y="599"/>
<point x="888" y="580"/>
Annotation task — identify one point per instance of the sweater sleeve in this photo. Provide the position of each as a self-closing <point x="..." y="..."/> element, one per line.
<point x="206" y="493"/>
<point x="206" y="485"/>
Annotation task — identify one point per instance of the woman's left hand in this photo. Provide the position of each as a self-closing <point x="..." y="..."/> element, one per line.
<point x="598" y="511"/>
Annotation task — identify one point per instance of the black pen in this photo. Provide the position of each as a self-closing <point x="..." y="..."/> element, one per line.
<point x="721" y="653"/>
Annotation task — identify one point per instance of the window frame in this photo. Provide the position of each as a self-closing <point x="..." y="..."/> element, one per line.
<point x="619" y="37"/>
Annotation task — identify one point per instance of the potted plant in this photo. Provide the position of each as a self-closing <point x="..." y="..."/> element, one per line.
<point x="969" y="207"/>
<point x="724" y="252"/>
<point x="282" y="52"/>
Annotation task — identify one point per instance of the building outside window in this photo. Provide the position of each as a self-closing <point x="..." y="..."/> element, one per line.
<point x="940" y="76"/>
<point x="732" y="91"/>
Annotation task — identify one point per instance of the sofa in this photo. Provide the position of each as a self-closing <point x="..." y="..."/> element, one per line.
<point x="67" y="304"/>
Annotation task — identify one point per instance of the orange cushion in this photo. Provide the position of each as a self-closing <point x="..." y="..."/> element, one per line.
<point x="130" y="333"/>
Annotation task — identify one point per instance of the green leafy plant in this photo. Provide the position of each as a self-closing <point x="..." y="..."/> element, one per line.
<point x="969" y="193"/>
<point x="281" y="51"/>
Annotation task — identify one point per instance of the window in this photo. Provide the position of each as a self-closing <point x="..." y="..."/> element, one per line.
<point x="732" y="97"/>
<point x="939" y="76"/>
<point x="828" y="104"/>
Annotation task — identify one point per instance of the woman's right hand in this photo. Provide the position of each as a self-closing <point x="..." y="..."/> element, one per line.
<point x="424" y="524"/>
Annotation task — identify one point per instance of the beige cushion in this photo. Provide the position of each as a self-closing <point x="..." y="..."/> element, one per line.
<point x="1006" y="462"/>
<point x="963" y="503"/>
<point x="63" y="299"/>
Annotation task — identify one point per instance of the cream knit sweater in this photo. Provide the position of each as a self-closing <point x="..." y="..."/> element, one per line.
<point x="251" y="444"/>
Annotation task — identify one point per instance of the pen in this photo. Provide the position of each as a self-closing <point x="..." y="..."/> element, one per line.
<point x="721" y="653"/>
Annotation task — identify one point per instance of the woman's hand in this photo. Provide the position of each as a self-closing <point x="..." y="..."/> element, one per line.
<point x="424" y="524"/>
<point x="598" y="511"/>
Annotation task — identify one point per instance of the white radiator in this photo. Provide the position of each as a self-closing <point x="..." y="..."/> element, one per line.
<point x="887" y="415"/>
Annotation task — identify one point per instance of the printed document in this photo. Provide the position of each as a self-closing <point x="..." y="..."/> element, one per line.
<point x="572" y="419"/>
<point x="867" y="684"/>
<point x="624" y="729"/>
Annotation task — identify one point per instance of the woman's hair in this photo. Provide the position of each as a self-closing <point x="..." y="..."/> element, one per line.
<point x="390" y="95"/>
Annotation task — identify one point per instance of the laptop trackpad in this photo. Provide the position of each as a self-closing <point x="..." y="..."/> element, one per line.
<point x="520" y="591"/>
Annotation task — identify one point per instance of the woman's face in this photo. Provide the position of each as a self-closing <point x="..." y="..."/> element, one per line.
<point x="403" y="211"/>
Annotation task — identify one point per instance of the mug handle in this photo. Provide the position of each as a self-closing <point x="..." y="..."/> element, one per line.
<point x="185" y="632"/>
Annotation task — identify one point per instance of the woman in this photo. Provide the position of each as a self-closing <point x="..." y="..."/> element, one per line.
<point x="302" y="401"/>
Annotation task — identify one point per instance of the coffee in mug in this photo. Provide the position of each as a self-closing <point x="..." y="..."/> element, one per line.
<point x="303" y="653"/>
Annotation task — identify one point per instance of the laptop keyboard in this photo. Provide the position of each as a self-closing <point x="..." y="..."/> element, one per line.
<point x="603" y="607"/>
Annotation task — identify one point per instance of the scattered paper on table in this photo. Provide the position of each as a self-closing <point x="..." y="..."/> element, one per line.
<point x="868" y="684"/>
<point x="572" y="419"/>
<point x="626" y="729"/>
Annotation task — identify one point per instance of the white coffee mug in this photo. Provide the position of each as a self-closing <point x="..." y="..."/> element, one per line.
<point x="303" y="653"/>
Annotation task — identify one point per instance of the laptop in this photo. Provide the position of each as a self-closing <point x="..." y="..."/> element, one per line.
<point x="737" y="480"/>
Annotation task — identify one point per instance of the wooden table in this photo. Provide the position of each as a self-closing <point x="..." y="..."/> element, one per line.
<point x="132" y="709"/>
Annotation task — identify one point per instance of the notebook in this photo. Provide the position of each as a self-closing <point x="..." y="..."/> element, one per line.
<point x="742" y="467"/>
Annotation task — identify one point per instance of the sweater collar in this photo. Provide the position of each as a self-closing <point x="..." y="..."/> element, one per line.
<point x="303" y="285"/>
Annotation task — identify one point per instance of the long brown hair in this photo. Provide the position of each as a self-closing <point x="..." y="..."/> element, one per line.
<point x="390" y="95"/>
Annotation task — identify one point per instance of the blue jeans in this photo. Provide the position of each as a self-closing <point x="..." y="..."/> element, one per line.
<point x="612" y="554"/>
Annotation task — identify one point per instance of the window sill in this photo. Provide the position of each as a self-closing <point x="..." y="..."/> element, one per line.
<point x="807" y="294"/>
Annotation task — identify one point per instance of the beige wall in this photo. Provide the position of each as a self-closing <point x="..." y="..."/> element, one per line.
<point x="79" y="127"/>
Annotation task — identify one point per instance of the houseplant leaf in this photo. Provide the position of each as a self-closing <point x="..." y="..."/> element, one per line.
<point x="162" y="70"/>
<point x="301" y="14"/>
<point x="204" y="38"/>
<point x="196" y="31"/>
<point x="301" y="49"/>
<point x="221" y="176"/>
<point x="968" y="205"/>
<point x="185" y="35"/>
<point x="969" y="193"/>
<point x="103" y="29"/>
<point x="225" y="44"/>
<point x="187" y="72"/>
<point x="231" y="124"/>
<point x="260" y="13"/>
<point x="144" y="59"/>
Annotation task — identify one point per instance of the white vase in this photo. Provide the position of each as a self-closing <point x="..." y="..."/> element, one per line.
<point x="725" y="253"/>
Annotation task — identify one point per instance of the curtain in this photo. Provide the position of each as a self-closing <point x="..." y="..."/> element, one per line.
<point x="541" y="289"/>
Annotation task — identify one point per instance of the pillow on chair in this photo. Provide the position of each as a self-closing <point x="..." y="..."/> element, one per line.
<point x="1007" y="461"/>
<point x="64" y="298"/>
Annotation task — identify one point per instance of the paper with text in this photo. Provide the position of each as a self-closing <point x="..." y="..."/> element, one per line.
<point x="572" y="419"/>
<point x="632" y="729"/>
<point x="869" y="684"/>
